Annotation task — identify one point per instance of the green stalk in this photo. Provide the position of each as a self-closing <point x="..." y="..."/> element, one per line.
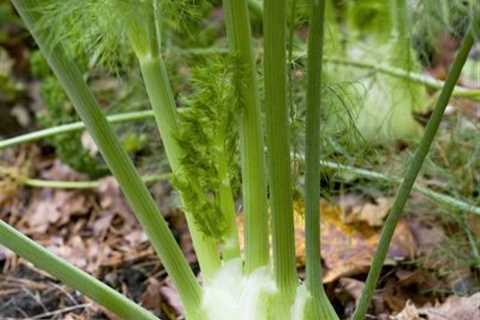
<point x="74" y="126"/>
<point x="71" y="276"/>
<point x="155" y="77"/>
<point x="159" y="91"/>
<point x="118" y="161"/>
<point x="411" y="175"/>
<point x="276" y="115"/>
<point x="320" y="307"/>
<point x="251" y="137"/>
<point x="58" y="184"/>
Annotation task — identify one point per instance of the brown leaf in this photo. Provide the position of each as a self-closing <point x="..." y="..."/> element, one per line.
<point x="151" y="297"/>
<point x="458" y="308"/>
<point x="349" y="249"/>
<point x="55" y="207"/>
<point x="113" y="201"/>
<point x="410" y="312"/>
<point x="162" y="298"/>
<point x="429" y="237"/>
<point x="356" y="208"/>
<point x="172" y="299"/>
<point x="353" y="287"/>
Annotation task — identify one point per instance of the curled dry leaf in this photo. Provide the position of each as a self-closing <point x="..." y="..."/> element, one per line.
<point x="348" y="292"/>
<point x="162" y="298"/>
<point x="113" y="201"/>
<point x="8" y="259"/>
<point x="355" y="208"/>
<point x="55" y="207"/>
<point x="458" y="308"/>
<point x="348" y="249"/>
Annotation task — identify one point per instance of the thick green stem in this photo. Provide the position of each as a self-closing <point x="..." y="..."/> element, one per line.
<point x="118" y="161"/>
<point x="411" y="175"/>
<point x="162" y="100"/>
<point x="161" y="97"/>
<point x="251" y="137"/>
<point x="320" y="307"/>
<point x="276" y="115"/>
<point x="71" y="276"/>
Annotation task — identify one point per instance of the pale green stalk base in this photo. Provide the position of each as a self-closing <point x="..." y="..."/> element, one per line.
<point x="160" y="93"/>
<point x="276" y="115"/>
<point x="71" y="276"/>
<point x="118" y="161"/>
<point x="251" y="137"/>
<point x="410" y="176"/>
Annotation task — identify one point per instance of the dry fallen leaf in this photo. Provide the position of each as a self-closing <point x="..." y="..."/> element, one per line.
<point x="356" y="208"/>
<point x="150" y="298"/>
<point x="55" y="207"/>
<point x="457" y="308"/>
<point x="410" y="312"/>
<point x="162" y="298"/>
<point x="347" y="249"/>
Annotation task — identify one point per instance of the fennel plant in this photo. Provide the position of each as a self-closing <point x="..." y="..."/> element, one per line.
<point x="224" y="115"/>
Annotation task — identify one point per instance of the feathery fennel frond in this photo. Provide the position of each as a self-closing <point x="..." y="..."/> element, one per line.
<point x="97" y="27"/>
<point x="108" y="30"/>
<point x="208" y="131"/>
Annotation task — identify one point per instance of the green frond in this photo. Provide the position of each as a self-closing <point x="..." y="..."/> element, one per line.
<point x="108" y="30"/>
<point x="208" y="133"/>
